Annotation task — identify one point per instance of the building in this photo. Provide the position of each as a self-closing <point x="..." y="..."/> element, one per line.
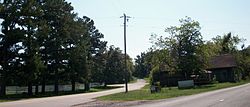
<point x="223" y="67"/>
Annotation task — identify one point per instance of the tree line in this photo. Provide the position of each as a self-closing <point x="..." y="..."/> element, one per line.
<point x="183" y="52"/>
<point x="45" y="42"/>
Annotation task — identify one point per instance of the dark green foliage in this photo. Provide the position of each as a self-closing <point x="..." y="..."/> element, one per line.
<point x="227" y="44"/>
<point x="95" y="52"/>
<point x="97" y="46"/>
<point x="114" y="71"/>
<point x="188" y="42"/>
<point x="32" y="59"/>
<point x="180" y="52"/>
<point x="58" y="15"/>
<point x="141" y="70"/>
<point x="243" y="62"/>
<point x="45" y="42"/>
<point x="109" y="67"/>
<point x="18" y="28"/>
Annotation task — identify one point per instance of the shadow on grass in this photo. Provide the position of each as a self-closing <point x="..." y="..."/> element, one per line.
<point x="204" y="86"/>
<point x="198" y="87"/>
<point x="108" y="87"/>
<point x="13" y="97"/>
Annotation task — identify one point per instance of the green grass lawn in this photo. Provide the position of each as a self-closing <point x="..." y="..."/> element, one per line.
<point x="144" y="93"/>
<point x="14" y="97"/>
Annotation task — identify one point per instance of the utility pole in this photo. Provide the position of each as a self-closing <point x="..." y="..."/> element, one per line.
<point x="125" y="50"/>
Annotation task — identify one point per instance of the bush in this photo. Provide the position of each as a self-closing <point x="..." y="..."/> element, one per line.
<point x="164" y="78"/>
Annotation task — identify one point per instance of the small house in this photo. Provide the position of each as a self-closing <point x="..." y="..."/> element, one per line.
<point x="223" y="67"/>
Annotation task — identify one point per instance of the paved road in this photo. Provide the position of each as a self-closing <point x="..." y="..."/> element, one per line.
<point x="68" y="100"/>
<point x="231" y="97"/>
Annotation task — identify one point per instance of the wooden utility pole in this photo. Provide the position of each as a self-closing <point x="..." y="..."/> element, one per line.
<point x="125" y="52"/>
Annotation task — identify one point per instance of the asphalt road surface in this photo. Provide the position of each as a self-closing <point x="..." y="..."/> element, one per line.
<point x="69" y="100"/>
<point x="230" y="97"/>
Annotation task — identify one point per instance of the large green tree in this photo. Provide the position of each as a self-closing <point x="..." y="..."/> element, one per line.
<point x="59" y="16"/>
<point x="95" y="51"/>
<point x="183" y="47"/>
<point x="78" y="44"/>
<point x="188" y="41"/>
<point x="114" y="69"/>
<point x="29" y="21"/>
<point x="114" y="66"/>
<point x="12" y="39"/>
<point x="47" y="43"/>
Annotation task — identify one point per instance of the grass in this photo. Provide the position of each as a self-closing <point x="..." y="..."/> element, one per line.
<point x="147" y="79"/>
<point x="144" y="93"/>
<point x="14" y="97"/>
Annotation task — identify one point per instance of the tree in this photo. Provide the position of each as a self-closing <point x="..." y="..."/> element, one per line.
<point x="29" y="22"/>
<point x="140" y="68"/>
<point x="44" y="41"/>
<point x="59" y="16"/>
<point x="188" y="42"/>
<point x="99" y="63"/>
<point x="227" y="43"/>
<point x="78" y="45"/>
<point x="130" y="67"/>
<point x="10" y="41"/>
<point x="148" y="61"/>
<point x="114" y="71"/>
<point x="243" y="61"/>
<point x="183" y="47"/>
<point x="96" y="49"/>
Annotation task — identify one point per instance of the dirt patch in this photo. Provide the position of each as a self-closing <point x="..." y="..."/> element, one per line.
<point x="98" y="103"/>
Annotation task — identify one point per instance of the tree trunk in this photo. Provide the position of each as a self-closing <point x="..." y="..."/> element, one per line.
<point x="3" y="89"/>
<point x="30" y="93"/>
<point x="36" y="90"/>
<point x="86" y="86"/>
<point x="45" y="74"/>
<point x="56" y="83"/>
<point x="3" y="75"/>
<point x="105" y="84"/>
<point x="56" y="87"/>
<point x="43" y="85"/>
<point x="73" y="83"/>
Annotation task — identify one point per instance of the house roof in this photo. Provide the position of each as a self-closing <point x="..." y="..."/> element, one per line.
<point x="222" y="61"/>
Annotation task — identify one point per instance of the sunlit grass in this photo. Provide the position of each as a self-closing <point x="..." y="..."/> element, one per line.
<point x="144" y="93"/>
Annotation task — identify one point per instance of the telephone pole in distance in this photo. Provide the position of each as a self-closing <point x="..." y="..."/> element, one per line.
<point x="125" y="52"/>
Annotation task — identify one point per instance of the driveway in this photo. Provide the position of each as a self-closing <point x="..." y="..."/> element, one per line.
<point x="69" y="100"/>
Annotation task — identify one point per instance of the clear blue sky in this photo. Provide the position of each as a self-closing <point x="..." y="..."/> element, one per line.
<point x="216" y="17"/>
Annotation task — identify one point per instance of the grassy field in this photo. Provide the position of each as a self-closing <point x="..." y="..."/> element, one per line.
<point x="144" y="93"/>
<point x="14" y="97"/>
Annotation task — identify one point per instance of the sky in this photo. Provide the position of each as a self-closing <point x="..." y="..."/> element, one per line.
<point x="216" y="17"/>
